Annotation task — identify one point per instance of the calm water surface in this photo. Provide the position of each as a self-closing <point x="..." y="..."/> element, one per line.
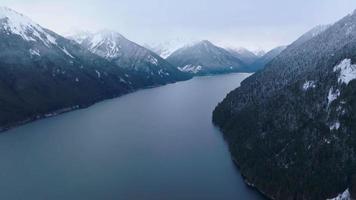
<point x="154" y="144"/>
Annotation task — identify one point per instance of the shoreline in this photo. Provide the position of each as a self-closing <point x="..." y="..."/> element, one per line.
<point x="64" y="110"/>
<point x="247" y="183"/>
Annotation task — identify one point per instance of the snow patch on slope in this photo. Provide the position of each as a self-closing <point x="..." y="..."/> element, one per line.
<point x="67" y="53"/>
<point x="346" y="70"/>
<point x="98" y="73"/>
<point x="335" y="126"/>
<point x="333" y="95"/>
<point x="344" y="196"/>
<point x="34" y="52"/>
<point x="308" y="85"/>
<point x="190" y="68"/>
<point x="152" y="60"/>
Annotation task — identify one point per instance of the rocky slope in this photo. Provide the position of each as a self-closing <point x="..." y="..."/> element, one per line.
<point x="205" y="58"/>
<point x="42" y="73"/>
<point x="291" y="127"/>
<point x="149" y="67"/>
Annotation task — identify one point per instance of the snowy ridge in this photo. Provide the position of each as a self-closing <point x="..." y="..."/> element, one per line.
<point x="16" y="23"/>
<point x="104" y="43"/>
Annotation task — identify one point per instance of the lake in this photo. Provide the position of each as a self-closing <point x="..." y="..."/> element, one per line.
<point x="154" y="144"/>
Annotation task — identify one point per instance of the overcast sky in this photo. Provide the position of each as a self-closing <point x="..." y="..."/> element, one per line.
<point x="250" y="23"/>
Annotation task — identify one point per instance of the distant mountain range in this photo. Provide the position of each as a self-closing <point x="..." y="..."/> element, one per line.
<point x="43" y="73"/>
<point x="261" y="62"/>
<point x="204" y="57"/>
<point x="149" y="67"/>
<point x="291" y="126"/>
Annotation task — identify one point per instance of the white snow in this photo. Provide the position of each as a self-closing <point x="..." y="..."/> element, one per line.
<point x="344" y="196"/>
<point x="80" y="36"/>
<point x="34" y="52"/>
<point x="67" y="53"/>
<point x="335" y="126"/>
<point x="190" y="68"/>
<point x="162" y="73"/>
<point x="23" y="26"/>
<point x="333" y="95"/>
<point x="107" y="39"/>
<point x="113" y="49"/>
<point x="153" y="60"/>
<point x="346" y="70"/>
<point x="97" y="40"/>
<point x="259" y="52"/>
<point x="327" y="141"/>
<point x="122" y="80"/>
<point x="308" y="85"/>
<point x="166" y="48"/>
<point x="98" y="73"/>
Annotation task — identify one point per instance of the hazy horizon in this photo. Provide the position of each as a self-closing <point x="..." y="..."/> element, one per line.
<point x="234" y="23"/>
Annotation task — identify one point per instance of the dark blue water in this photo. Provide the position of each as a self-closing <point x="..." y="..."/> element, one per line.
<point x="150" y="145"/>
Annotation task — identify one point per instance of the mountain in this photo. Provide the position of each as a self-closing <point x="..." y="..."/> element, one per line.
<point x="243" y="54"/>
<point x="205" y="58"/>
<point x="310" y="34"/>
<point x="43" y="73"/>
<point x="260" y="62"/>
<point x="259" y="52"/>
<point x="291" y="127"/>
<point x="166" y="48"/>
<point x="143" y="63"/>
<point x="265" y="58"/>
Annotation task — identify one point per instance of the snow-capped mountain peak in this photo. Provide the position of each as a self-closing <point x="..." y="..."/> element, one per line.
<point x="166" y="48"/>
<point x="259" y="52"/>
<point x="79" y="36"/>
<point x="241" y="50"/>
<point x="13" y="22"/>
<point x="105" y="43"/>
<point x="110" y="39"/>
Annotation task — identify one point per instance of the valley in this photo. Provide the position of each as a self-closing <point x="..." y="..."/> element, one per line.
<point x="98" y="115"/>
